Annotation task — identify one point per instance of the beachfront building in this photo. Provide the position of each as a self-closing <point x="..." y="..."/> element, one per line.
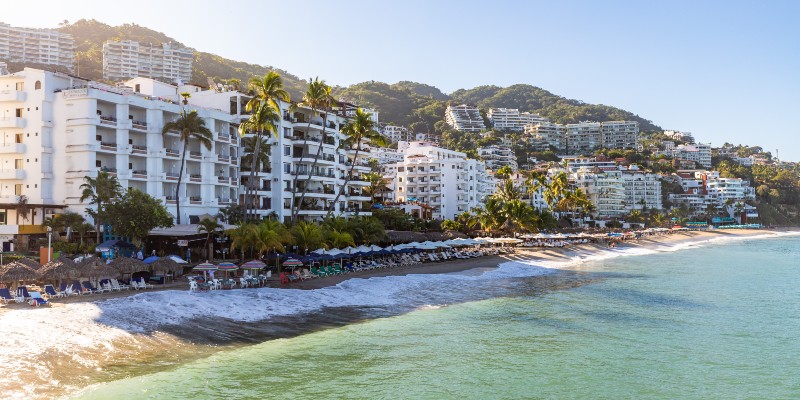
<point x="510" y="119"/>
<point x="605" y="188"/>
<point x="464" y="118"/>
<point x="642" y="190"/>
<point x="37" y="46"/>
<point x="167" y="62"/>
<point x="386" y="155"/>
<point x="699" y="153"/>
<point x="583" y="138"/>
<point x="442" y="179"/>
<point x="397" y="133"/>
<point x="60" y="129"/>
<point x="706" y="189"/>
<point x="498" y="156"/>
<point x="544" y="136"/>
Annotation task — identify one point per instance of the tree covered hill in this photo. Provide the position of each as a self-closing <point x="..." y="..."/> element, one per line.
<point x="415" y="105"/>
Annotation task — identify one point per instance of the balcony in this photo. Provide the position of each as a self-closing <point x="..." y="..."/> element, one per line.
<point x="223" y="159"/>
<point x="195" y="200"/>
<point x="12" y="122"/>
<point x="139" y="174"/>
<point x="172" y="153"/>
<point x="108" y="120"/>
<point x="12" y="95"/>
<point x="12" y="148"/>
<point x="223" y="137"/>
<point x="195" y="178"/>
<point x="16" y="174"/>
<point x="195" y="155"/>
<point x="225" y="200"/>
<point x="172" y="176"/>
<point x="138" y="149"/>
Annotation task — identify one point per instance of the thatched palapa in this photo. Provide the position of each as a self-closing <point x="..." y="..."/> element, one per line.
<point x="16" y="271"/>
<point x="61" y="268"/>
<point x="29" y="263"/>
<point x="127" y="265"/>
<point x="95" y="267"/>
<point x="166" y="265"/>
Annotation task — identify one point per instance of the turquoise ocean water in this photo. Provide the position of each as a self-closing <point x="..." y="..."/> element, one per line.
<point x="714" y="322"/>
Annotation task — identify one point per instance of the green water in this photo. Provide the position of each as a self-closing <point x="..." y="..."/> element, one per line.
<point x="715" y="322"/>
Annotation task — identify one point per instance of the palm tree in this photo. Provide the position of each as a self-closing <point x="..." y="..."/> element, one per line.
<point x="264" y="118"/>
<point x="307" y="235"/>
<point x="189" y="125"/>
<point x="99" y="191"/>
<point x="211" y="227"/>
<point x="377" y="185"/>
<point x="555" y="192"/>
<point x="244" y="237"/>
<point x="317" y="97"/>
<point x="534" y="181"/>
<point x="361" y="127"/>
<point x="519" y="216"/>
<point x="506" y="191"/>
<point x="337" y="239"/>
<point x="366" y="230"/>
<point x="82" y="230"/>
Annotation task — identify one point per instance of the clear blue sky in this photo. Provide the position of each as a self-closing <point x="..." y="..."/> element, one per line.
<point x="723" y="70"/>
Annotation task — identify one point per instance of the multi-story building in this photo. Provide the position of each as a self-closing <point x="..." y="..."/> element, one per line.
<point x="704" y="189"/>
<point x="510" y="119"/>
<point x="547" y="136"/>
<point x="498" y="156"/>
<point x="464" y="118"/>
<point x="699" y="153"/>
<point x="573" y="164"/>
<point x="642" y="190"/>
<point x="59" y="129"/>
<point x="386" y="155"/>
<point x="583" y="138"/>
<point x="397" y="133"/>
<point x="605" y="188"/>
<point x="680" y="136"/>
<point x="442" y="179"/>
<point x="127" y="59"/>
<point x="38" y="46"/>
<point x="619" y="134"/>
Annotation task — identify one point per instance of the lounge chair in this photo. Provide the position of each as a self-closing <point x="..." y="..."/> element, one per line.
<point x="22" y="293"/>
<point x="144" y="285"/>
<point x="89" y="287"/>
<point x="50" y="291"/>
<point x="116" y="285"/>
<point x="5" y="296"/>
<point x="37" y="300"/>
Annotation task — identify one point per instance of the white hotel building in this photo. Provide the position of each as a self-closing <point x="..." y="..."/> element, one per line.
<point x="40" y="46"/>
<point x="464" y="118"/>
<point x="58" y="129"/>
<point x="498" y="156"/>
<point x="442" y="179"/>
<point x="130" y="59"/>
<point x="585" y="137"/>
<point x="545" y="136"/>
<point x="510" y="119"/>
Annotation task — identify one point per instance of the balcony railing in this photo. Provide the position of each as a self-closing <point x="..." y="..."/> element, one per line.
<point x="108" y="120"/>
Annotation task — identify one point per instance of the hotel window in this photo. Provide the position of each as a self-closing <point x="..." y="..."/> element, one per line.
<point x="37" y="85"/>
<point x="287" y="150"/>
<point x="20" y="86"/>
<point x="19" y="164"/>
<point x="18" y="189"/>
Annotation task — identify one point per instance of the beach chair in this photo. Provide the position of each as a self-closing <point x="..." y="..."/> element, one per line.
<point x="143" y="284"/>
<point x="91" y="289"/>
<point x="192" y="286"/>
<point x="22" y="294"/>
<point x="37" y="300"/>
<point x="116" y="285"/>
<point x="5" y="296"/>
<point x="50" y="291"/>
<point x="243" y="283"/>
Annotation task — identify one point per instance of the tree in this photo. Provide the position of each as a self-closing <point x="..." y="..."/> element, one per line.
<point x="232" y="214"/>
<point x="336" y="239"/>
<point x="559" y="185"/>
<point x="360" y="128"/>
<point x="100" y="191"/>
<point x="366" y="230"/>
<point x="212" y="228"/>
<point x="535" y="181"/>
<point x="317" y="97"/>
<point x="504" y="172"/>
<point x="244" y="237"/>
<point x="135" y="214"/>
<point x="189" y="126"/>
<point x="307" y="236"/>
<point x="264" y="118"/>
<point x="377" y="185"/>
<point x="450" y="225"/>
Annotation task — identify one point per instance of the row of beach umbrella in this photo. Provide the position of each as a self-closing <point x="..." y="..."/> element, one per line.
<point x="64" y="268"/>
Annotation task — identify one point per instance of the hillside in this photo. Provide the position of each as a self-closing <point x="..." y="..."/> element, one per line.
<point x="416" y="105"/>
<point x="91" y="34"/>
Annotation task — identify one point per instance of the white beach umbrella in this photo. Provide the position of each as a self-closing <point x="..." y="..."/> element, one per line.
<point x="319" y="251"/>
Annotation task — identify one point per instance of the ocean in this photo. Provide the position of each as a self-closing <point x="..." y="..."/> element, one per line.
<point x="711" y="320"/>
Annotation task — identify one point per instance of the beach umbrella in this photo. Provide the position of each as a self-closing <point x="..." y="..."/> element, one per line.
<point x="29" y="263"/>
<point x="227" y="267"/>
<point x="166" y="265"/>
<point x="205" y="267"/>
<point x="58" y="269"/>
<point x="150" y="260"/>
<point x="254" y="264"/>
<point x="292" y="263"/>
<point x="124" y="265"/>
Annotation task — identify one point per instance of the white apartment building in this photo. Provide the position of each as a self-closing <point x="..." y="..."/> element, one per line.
<point x="545" y="136"/>
<point x="699" y="153"/>
<point x="605" y="189"/>
<point x="498" y="156"/>
<point x="130" y="59"/>
<point x="397" y="133"/>
<point x="590" y="163"/>
<point x="385" y="155"/>
<point x="680" y="136"/>
<point x="642" y="190"/>
<point x="583" y="138"/>
<point x="464" y="118"/>
<point x="58" y="129"/>
<point x="40" y="46"/>
<point x="706" y="188"/>
<point x="442" y="179"/>
<point x="510" y="119"/>
<point x="619" y="134"/>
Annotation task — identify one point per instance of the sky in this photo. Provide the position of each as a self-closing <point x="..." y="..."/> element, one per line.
<point x="727" y="71"/>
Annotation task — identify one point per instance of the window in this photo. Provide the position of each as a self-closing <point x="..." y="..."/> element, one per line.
<point x="18" y="189"/>
<point x="37" y="85"/>
<point x="19" y="113"/>
<point x="20" y="86"/>
<point x="138" y="88"/>
<point x="19" y="164"/>
<point x="287" y="168"/>
<point x="18" y="138"/>
<point x="287" y="150"/>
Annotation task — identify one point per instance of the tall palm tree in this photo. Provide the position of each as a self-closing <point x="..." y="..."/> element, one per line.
<point x="189" y="125"/>
<point x="506" y="191"/>
<point x="243" y="237"/>
<point x="377" y="185"/>
<point x="317" y="97"/>
<point x="212" y="228"/>
<point x="264" y="118"/>
<point x="557" y="189"/>
<point x="99" y="191"/>
<point x="360" y="128"/>
<point x="535" y="181"/>
<point x="336" y="239"/>
<point x="307" y="235"/>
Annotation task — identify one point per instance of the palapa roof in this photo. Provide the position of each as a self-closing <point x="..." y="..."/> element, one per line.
<point x="29" y="263"/>
<point x="127" y="265"/>
<point x="60" y="268"/>
<point x="166" y="264"/>
<point x="16" y="271"/>
<point x="95" y="267"/>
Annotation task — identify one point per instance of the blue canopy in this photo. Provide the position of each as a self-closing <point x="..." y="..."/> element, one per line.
<point x="109" y="244"/>
<point x="151" y="259"/>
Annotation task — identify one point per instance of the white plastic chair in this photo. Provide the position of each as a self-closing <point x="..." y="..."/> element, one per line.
<point x="192" y="286"/>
